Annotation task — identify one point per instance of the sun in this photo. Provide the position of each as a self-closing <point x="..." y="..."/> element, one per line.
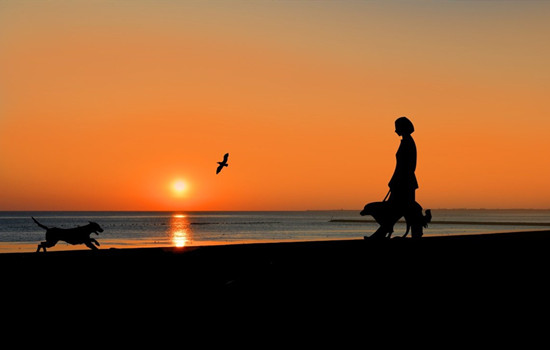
<point x="179" y="187"/>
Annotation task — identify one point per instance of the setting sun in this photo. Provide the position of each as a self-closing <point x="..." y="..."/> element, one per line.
<point x="179" y="186"/>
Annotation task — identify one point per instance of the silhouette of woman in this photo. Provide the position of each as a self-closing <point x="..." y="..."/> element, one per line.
<point x="403" y="183"/>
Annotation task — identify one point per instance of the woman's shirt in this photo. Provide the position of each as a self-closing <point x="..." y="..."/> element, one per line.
<point x="403" y="177"/>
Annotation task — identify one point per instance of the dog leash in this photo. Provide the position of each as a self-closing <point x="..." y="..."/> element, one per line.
<point x="387" y="196"/>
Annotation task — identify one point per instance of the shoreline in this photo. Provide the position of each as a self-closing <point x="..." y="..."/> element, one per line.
<point x="537" y="234"/>
<point x="15" y="247"/>
<point x="536" y="240"/>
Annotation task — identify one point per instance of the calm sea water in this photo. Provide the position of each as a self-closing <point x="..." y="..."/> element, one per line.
<point x="18" y="233"/>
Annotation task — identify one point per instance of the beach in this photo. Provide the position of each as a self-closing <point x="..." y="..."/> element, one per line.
<point x="425" y="268"/>
<point x="460" y="288"/>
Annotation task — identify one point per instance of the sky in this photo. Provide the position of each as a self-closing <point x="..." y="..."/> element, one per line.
<point x="128" y="105"/>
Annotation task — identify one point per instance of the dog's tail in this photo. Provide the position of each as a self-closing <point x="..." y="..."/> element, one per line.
<point x="428" y="217"/>
<point x="39" y="224"/>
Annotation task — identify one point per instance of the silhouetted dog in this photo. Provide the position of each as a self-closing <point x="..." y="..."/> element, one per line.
<point x="386" y="215"/>
<point x="76" y="235"/>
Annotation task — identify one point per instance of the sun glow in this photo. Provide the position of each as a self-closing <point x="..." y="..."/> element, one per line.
<point x="179" y="187"/>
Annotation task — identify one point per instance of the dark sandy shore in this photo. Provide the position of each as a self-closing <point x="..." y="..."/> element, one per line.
<point x="488" y="262"/>
<point x="429" y="284"/>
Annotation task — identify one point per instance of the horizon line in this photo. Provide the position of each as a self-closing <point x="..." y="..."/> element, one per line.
<point x="240" y="210"/>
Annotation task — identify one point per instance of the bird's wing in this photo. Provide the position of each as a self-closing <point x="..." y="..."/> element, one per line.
<point x="225" y="157"/>
<point x="219" y="168"/>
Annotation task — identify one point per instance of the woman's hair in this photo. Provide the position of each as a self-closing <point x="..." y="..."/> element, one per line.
<point x="404" y="125"/>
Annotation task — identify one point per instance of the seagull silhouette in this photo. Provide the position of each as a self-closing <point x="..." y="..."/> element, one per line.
<point x="223" y="163"/>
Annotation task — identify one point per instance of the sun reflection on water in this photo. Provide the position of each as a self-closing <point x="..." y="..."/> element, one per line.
<point x="179" y="230"/>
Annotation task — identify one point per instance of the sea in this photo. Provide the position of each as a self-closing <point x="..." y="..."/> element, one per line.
<point x="137" y="229"/>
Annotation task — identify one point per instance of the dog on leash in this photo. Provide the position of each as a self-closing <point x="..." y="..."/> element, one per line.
<point x="76" y="235"/>
<point x="386" y="216"/>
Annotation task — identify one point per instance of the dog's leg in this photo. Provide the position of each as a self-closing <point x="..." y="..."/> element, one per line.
<point x="90" y="245"/>
<point x="48" y="244"/>
<point x="95" y="242"/>
<point x="381" y="232"/>
<point x="407" y="231"/>
<point x="417" y="231"/>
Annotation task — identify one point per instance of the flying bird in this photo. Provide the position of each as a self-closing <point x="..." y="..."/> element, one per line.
<point x="222" y="163"/>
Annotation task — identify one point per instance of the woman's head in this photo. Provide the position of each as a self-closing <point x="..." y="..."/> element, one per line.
<point x="403" y="126"/>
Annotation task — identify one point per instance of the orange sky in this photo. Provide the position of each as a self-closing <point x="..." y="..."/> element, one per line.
<point x="104" y="104"/>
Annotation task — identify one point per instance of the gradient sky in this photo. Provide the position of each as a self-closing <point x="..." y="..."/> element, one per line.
<point x="105" y="104"/>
